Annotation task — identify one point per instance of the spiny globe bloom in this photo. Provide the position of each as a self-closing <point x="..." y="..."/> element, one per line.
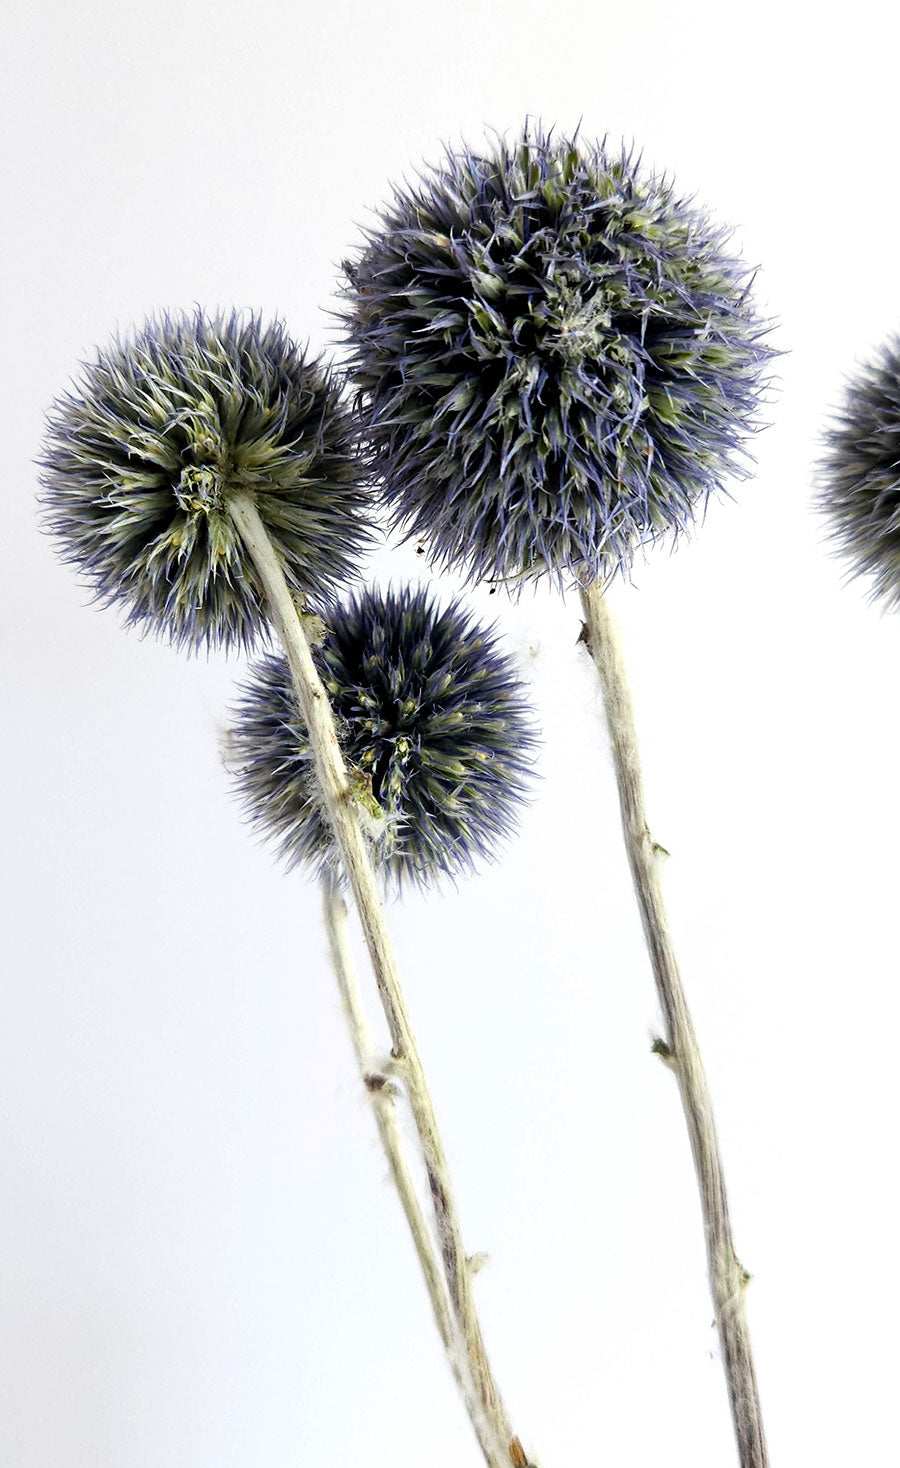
<point x="141" y="459"/>
<point x="557" y="358"/>
<point x="432" y="719"/>
<point x="860" y="474"/>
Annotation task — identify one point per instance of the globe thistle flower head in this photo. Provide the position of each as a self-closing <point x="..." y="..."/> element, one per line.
<point x="142" y="457"/>
<point x="556" y="358"/>
<point x="432" y="720"/>
<point x="859" y="490"/>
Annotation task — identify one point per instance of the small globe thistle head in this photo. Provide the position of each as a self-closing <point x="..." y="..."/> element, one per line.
<point x="433" y="724"/>
<point x="859" y="474"/>
<point x="143" y="455"/>
<point x="556" y="358"/>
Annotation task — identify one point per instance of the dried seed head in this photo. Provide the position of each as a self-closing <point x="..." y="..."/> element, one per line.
<point x="859" y="474"/>
<point x="557" y="358"/>
<point x="432" y="718"/>
<point x="142" y="456"/>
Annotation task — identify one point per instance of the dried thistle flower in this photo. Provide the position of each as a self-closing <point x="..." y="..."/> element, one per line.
<point x="433" y="722"/>
<point x="860" y="474"/>
<point x="556" y="358"/>
<point x="142" y="456"/>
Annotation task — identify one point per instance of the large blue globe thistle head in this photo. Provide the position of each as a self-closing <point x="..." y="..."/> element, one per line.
<point x="557" y="358"/>
<point x="859" y="474"/>
<point x="144" y="454"/>
<point x="432" y="719"/>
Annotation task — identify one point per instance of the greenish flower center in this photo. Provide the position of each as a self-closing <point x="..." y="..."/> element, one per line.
<point x="200" y="490"/>
<point x="571" y="327"/>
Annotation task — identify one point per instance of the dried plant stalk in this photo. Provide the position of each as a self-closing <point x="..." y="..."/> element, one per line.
<point x="343" y="813"/>
<point x="728" y="1279"/>
<point x="382" y="1092"/>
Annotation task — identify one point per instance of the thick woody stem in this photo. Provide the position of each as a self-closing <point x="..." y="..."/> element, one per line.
<point x="343" y="815"/>
<point x="728" y="1279"/>
<point x="381" y="1090"/>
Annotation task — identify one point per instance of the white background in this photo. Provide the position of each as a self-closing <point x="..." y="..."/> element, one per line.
<point x="201" y="1262"/>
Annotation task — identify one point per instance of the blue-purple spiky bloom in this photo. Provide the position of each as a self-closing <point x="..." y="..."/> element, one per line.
<point x="141" y="459"/>
<point x="429" y="709"/>
<point x="557" y="358"/>
<point x="860" y="474"/>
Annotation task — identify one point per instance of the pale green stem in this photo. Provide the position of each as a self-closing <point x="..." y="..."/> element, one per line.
<point x="728" y="1279"/>
<point x="342" y="811"/>
<point x="381" y="1090"/>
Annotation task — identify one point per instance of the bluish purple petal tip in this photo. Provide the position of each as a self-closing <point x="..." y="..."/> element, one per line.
<point x="859" y="475"/>
<point x="429" y="707"/>
<point x="557" y="359"/>
<point x="142" y="455"/>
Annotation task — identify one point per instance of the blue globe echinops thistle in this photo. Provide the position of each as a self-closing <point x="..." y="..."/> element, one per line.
<point x="557" y="363"/>
<point x="859" y="474"/>
<point x="430" y="711"/>
<point x="206" y="476"/>
<point x="556" y="359"/>
<point x="141" y="458"/>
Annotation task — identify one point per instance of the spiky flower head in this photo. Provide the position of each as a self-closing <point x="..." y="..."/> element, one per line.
<point x="859" y="488"/>
<point x="434" y="726"/>
<point x="162" y="429"/>
<point x="557" y="358"/>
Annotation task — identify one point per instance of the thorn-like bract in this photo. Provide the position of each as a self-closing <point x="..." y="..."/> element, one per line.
<point x="429" y="709"/>
<point x="143" y="454"/>
<point x="557" y="359"/>
<point x="859" y="475"/>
